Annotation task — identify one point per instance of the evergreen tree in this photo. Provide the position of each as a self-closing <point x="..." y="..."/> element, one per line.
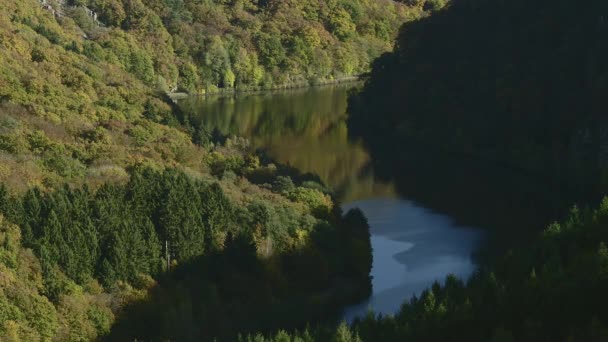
<point x="217" y="214"/>
<point x="181" y="220"/>
<point x="32" y="212"/>
<point x="52" y="238"/>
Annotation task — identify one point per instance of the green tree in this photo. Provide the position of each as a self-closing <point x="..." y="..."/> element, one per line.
<point x="341" y="24"/>
<point x="181" y="220"/>
<point x="272" y="52"/>
<point x="217" y="63"/>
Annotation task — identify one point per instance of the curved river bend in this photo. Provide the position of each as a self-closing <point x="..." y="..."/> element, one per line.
<point x="412" y="245"/>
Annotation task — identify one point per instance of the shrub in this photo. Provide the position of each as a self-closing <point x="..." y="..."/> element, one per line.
<point x="38" y="55"/>
<point x="9" y="143"/>
<point x="220" y="163"/>
<point x="317" y="202"/>
<point x="283" y="185"/>
<point x="64" y="166"/>
<point x="140" y="135"/>
<point x="39" y="142"/>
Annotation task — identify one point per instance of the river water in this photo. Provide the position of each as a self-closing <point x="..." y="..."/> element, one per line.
<point x="413" y="246"/>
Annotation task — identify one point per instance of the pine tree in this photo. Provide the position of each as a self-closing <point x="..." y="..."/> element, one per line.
<point x="52" y="238"/>
<point x="216" y="211"/>
<point x="10" y="206"/>
<point x="116" y="267"/>
<point x="52" y="283"/>
<point x="32" y="212"/>
<point x="4" y="198"/>
<point x="202" y="137"/>
<point x="181" y="220"/>
<point x="153" y="247"/>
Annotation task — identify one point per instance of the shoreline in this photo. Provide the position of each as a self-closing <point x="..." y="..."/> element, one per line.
<point x="234" y="91"/>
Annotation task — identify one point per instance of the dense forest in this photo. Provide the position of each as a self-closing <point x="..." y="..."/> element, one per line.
<point x="499" y="105"/>
<point x="471" y="103"/>
<point x="201" y="46"/>
<point x="118" y="211"/>
<point x="124" y="218"/>
<point x="518" y="83"/>
<point x="553" y="290"/>
<point x="169" y="248"/>
<point x="80" y="80"/>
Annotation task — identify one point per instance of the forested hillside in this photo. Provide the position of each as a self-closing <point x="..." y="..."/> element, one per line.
<point x="472" y="95"/>
<point x="200" y="46"/>
<point x="124" y="218"/>
<point x="176" y="251"/>
<point x="117" y="211"/>
<point x="78" y="83"/>
<point x="516" y="83"/>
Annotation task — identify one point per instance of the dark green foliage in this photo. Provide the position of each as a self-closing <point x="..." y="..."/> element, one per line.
<point x="232" y="269"/>
<point x="283" y="184"/>
<point x="234" y="290"/>
<point x="271" y="50"/>
<point x="32" y="213"/>
<point x="155" y="111"/>
<point x="217" y="212"/>
<point x="202" y="137"/>
<point x="498" y="125"/>
<point x="38" y="55"/>
<point x="52" y="36"/>
<point x="467" y="81"/>
<point x="524" y="298"/>
<point x="118" y="232"/>
<point x="552" y="290"/>
<point x="357" y="243"/>
<point x="465" y="93"/>
<point x="132" y="250"/>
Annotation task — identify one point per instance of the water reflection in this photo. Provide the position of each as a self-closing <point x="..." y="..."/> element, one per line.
<point x="304" y="128"/>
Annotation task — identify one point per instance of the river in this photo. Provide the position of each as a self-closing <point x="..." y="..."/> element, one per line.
<point x="413" y="245"/>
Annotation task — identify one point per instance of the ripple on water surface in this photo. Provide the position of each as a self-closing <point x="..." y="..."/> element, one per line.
<point x="413" y="247"/>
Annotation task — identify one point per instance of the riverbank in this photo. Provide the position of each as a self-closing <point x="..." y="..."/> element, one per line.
<point x="413" y="244"/>
<point x="176" y="96"/>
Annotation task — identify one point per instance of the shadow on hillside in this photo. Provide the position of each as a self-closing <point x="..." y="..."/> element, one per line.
<point x="497" y="125"/>
<point x="236" y="292"/>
